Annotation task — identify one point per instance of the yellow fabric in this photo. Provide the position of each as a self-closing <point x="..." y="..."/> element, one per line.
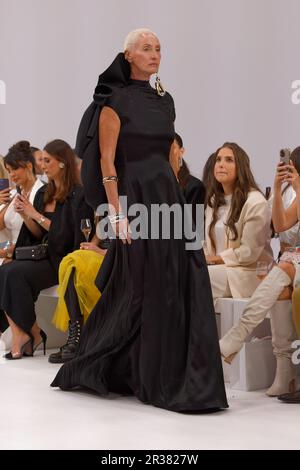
<point x="86" y="264"/>
<point x="296" y="309"/>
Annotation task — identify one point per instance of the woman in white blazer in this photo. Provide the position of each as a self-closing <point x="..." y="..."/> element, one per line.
<point x="237" y="225"/>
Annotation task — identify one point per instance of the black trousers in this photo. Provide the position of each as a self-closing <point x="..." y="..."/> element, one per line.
<point x="20" y="285"/>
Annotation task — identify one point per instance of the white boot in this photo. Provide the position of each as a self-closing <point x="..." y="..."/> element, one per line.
<point x="283" y="334"/>
<point x="257" y="308"/>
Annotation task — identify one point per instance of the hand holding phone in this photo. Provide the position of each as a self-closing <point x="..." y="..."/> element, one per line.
<point x="4" y="184"/>
<point x="4" y="191"/>
<point x="285" y="156"/>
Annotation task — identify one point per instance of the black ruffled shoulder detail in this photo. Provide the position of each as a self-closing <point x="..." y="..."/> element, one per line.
<point x="117" y="75"/>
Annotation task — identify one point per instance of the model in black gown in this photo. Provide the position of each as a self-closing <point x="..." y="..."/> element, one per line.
<point x="153" y="332"/>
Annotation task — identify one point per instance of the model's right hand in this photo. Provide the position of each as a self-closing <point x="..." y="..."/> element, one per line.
<point x="122" y="230"/>
<point x="92" y="247"/>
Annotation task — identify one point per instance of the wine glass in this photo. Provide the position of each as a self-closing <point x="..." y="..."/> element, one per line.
<point x="262" y="269"/>
<point x="86" y="228"/>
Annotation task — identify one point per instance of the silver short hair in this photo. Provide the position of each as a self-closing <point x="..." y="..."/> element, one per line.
<point x="134" y="35"/>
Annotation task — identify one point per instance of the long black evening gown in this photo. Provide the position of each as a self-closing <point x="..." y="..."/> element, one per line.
<point x="153" y="332"/>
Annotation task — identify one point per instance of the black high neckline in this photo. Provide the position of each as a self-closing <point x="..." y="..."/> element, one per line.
<point x="140" y="83"/>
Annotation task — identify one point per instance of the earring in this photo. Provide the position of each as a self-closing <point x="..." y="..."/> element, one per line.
<point x="160" y="90"/>
<point x="180" y="162"/>
<point x="61" y="165"/>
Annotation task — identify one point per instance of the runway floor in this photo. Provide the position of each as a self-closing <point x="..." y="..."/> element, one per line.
<point x="34" y="416"/>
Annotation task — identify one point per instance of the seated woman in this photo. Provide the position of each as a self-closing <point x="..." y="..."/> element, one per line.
<point x="39" y="164"/>
<point x="58" y="212"/>
<point x="237" y="225"/>
<point x="193" y="188"/>
<point x="4" y="193"/>
<point x="289" y="238"/>
<point x="286" y="273"/>
<point x="77" y="294"/>
<point x="20" y="165"/>
<point x="208" y="171"/>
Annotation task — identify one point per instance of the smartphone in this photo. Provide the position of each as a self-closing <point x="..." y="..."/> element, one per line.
<point x="4" y="183"/>
<point x="285" y="156"/>
<point x="18" y="190"/>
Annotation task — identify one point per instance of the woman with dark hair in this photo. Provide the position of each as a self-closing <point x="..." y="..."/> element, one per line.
<point x="19" y="164"/>
<point x="208" y="172"/>
<point x="38" y="160"/>
<point x="237" y="225"/>
<point x="192" y="188"/>
<point x="57" y="211"/>
<point x="291" y="237"/>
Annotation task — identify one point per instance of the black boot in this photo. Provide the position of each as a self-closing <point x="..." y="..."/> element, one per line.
<point x="68" y="350"/>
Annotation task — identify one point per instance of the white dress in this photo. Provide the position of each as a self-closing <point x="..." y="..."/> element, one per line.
<point x="291" y="236"/>
<point x="12" y="220"/>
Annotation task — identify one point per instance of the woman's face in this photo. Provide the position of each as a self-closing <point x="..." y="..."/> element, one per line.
<point x="144" y="57"/>
<point x="51" y="166"/>
<point x="38" y="158"/>
<point x="21" y="176"/>
<point x="225" y="167"/>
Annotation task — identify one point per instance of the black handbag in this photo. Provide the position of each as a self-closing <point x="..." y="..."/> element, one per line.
<point x="33" y="253"/>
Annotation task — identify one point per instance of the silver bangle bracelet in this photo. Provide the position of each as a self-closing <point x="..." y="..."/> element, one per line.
<point x="114" y="219"/>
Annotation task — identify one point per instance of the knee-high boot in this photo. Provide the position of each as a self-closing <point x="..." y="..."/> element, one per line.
<point x="283" y="334"/>
<point x="257" y="308"/>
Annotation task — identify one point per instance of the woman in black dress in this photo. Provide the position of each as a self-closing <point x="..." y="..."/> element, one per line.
<point x="57" y="210"/>
<point x="153" y="332"/>
<point x="193" y="189"/>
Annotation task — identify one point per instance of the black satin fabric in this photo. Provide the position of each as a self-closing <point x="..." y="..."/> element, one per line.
<point x="87" y="141"/>
<point x="153" y="332"/>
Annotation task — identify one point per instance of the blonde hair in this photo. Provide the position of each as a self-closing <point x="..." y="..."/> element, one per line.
<point x="134" y="35"/>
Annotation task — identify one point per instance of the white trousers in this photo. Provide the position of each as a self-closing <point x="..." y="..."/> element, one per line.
<point x="219" y="282"/>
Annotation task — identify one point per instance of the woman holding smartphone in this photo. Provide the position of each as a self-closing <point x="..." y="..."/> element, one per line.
<point x="19" y="164"/>
<point x="283" y="275"/>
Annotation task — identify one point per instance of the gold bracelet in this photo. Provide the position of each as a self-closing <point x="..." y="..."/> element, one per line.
<point x="108" y="179"/>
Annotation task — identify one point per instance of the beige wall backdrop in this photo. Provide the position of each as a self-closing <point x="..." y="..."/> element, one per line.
<point x="229" y="65"/>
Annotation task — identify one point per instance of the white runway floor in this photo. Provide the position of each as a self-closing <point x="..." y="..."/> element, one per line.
<point x="34" y="416"/>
